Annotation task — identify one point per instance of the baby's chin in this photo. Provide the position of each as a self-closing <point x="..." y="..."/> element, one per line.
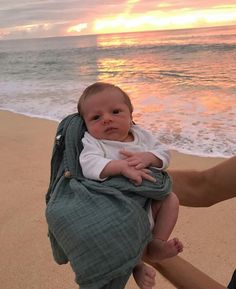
<point x="119" y="138"/>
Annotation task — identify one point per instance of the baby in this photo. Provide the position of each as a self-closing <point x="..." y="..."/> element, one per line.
<point x="114" y="145"/>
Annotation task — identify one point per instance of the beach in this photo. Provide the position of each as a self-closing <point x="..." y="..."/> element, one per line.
<point x="181" y="82"/>
<point x="208" y="234"/>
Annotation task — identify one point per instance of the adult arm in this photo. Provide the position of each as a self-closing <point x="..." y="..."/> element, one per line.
<point x="184" y="275"/>
<point x="208" y="187"/>
<point x="198" y="189"/>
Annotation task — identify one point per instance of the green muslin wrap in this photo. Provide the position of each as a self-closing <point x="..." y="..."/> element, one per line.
<point x="101" y="228"/>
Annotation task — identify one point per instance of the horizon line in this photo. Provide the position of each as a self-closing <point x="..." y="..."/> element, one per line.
<point x="117" y="33"/>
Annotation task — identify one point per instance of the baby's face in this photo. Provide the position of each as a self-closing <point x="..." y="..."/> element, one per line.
<point x="107" y="116"/>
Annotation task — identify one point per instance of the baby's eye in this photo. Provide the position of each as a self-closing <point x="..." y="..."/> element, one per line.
<point x="95" y="117"/>
<point x="116" y="111"/>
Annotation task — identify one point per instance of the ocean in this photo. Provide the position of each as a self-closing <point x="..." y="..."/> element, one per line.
<point x="182" y="82"/>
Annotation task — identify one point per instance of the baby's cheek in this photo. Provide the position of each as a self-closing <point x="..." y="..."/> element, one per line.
<point x="95" y="131"/>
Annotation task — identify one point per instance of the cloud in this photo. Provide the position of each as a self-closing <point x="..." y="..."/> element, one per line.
<point x="57" y="15"/>
<point x="45" y="18"/>
<point x="43" y="11"/>
<point x="77" y="28"/>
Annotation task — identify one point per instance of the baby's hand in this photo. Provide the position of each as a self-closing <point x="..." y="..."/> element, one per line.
<point x="136" y="176"/>
<point x="139" y="160"/>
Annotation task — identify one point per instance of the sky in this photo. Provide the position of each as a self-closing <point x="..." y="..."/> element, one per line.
<point x="52" y="18"/>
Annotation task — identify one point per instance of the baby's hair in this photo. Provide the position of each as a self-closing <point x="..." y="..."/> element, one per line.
<point x="98" y="87"/>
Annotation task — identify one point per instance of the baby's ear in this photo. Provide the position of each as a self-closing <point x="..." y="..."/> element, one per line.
<point x="131" y="117"/>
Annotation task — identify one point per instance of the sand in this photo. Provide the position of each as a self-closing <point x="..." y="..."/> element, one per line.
<point x="26" y="261"/>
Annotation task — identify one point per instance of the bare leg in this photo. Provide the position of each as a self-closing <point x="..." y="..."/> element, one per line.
<point x="165" y="215"/>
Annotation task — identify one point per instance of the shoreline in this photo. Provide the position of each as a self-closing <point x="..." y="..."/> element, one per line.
<point x="57" y="121"/>
<point x="26" y="142"/>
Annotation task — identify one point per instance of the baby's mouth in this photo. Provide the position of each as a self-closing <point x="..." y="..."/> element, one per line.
<point x="110" y="129"/>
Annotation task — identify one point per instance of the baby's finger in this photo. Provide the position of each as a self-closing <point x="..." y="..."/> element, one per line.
<point x="137" y="181"/>
<point x="126" y="154"/>
<point x="133" y="162"/>
<point x="140" y="166"/>
<point x="147" y="171"/>
<point x="148" y="177"/>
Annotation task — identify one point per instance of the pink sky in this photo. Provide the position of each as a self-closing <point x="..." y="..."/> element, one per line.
<point x="36" y="18"/>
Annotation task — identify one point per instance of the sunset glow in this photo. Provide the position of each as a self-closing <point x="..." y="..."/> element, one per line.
<point x="84" y="18"/>
<point x="185" y="18"/>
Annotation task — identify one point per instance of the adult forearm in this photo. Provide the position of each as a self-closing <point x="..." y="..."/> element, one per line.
<point x="205" y="188"/>
<point x="191" y="188"/>
<point x="184" y="275"/>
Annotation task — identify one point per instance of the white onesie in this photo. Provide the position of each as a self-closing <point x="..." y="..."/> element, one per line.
<point x="98" y="153"/>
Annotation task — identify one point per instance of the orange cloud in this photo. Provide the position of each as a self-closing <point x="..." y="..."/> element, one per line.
<point x="112" y="17"/>
<point x="165" y="18"/>
<point x="77" y="28"/>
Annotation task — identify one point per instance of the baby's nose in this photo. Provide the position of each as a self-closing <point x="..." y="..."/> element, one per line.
<point x="107" y="118"/>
